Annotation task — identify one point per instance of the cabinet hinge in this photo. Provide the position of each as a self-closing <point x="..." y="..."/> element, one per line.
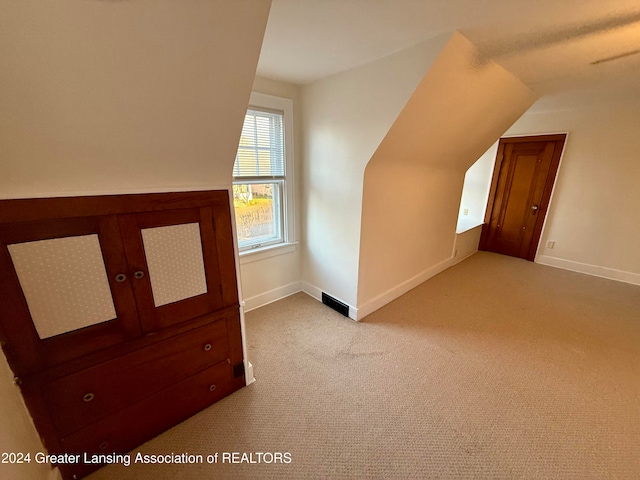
<point x="238" y="370"/>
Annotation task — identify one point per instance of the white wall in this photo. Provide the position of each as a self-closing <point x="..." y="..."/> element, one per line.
<point x="18" y="433"/>
<point x="344" y="119"/>
<point x="106" y="97"/>
<point x="413" y="183"/>
<point x="593" y="215"/>
<point x="408" y="228"/>
<point x="267" y="279"/>
<point x="475" y="192"/>
<point x="467" y="243"/>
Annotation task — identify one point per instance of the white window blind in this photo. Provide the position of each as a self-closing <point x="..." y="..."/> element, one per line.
<point x="261" y="150"/>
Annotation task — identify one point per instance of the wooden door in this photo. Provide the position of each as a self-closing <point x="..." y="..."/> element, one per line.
<point x="523" y="178"/>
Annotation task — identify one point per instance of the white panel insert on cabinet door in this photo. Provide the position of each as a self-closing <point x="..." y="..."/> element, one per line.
<point x="175" y="262"/>
<point x="65" y="283"/>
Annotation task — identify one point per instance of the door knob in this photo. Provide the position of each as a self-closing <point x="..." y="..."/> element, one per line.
<point x="535" y="208"/>
<point x="139" y="274"/>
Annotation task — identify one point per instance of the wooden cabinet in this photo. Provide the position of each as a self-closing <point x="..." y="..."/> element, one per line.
<point x="118" y="311"/>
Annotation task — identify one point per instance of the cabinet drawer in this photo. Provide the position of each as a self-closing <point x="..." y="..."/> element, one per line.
<point x="84" y="397"/>
<point x="125" y="430"/>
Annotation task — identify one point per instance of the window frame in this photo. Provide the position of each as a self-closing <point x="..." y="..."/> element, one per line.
<point x="279" y="215"/>
<point x="262" y="101"/>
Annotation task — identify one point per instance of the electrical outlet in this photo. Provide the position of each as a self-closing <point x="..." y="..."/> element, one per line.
<point x="551" y="244"/>
<point x="466" y="211"/>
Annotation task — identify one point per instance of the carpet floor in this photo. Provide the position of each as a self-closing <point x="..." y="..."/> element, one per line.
<point x="497" y="368"/>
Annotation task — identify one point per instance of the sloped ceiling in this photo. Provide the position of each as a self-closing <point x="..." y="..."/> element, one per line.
<point x="123" y="96"/>
<point x="550" y="45"/>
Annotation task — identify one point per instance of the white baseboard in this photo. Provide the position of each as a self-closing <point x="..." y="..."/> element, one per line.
<point x="459" y="258"/>
<point x="248" y="374"/>
<point x="316" y="293"/>
<point x="312" y="291"/>
<point x="271" y="296"/>
<point x="393" y="293"/>
<point x="603" y="272"/>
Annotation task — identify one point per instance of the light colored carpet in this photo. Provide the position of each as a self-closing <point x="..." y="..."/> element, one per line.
<point x="497" y="368"/>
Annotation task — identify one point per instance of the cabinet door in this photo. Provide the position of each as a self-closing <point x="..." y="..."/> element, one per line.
<point x="84" y="274"/>
<point x="65" y="290"/>
<point x="175" y="262"/>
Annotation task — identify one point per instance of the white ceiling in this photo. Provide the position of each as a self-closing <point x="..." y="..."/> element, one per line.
<point x="549" y="44"/>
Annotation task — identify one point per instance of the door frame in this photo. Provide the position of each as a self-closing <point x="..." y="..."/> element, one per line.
<point x="561" y="138"/>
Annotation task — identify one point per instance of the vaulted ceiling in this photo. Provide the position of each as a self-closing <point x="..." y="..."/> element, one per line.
<point x="553" y="46"/>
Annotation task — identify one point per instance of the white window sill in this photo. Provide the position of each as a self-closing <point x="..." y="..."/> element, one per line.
<point x="249" y="256"/>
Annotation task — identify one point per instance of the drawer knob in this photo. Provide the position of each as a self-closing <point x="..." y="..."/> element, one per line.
<point x="138" y="274"/>
<point x="88" y="397"/>
<point x="207" y="347"/>
<point x="212" y="388"/>
<point x="103" y="445"/>
<point x="121" y="277"/>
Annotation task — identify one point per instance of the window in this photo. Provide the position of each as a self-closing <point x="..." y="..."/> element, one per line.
<point x="262" y="173"/>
